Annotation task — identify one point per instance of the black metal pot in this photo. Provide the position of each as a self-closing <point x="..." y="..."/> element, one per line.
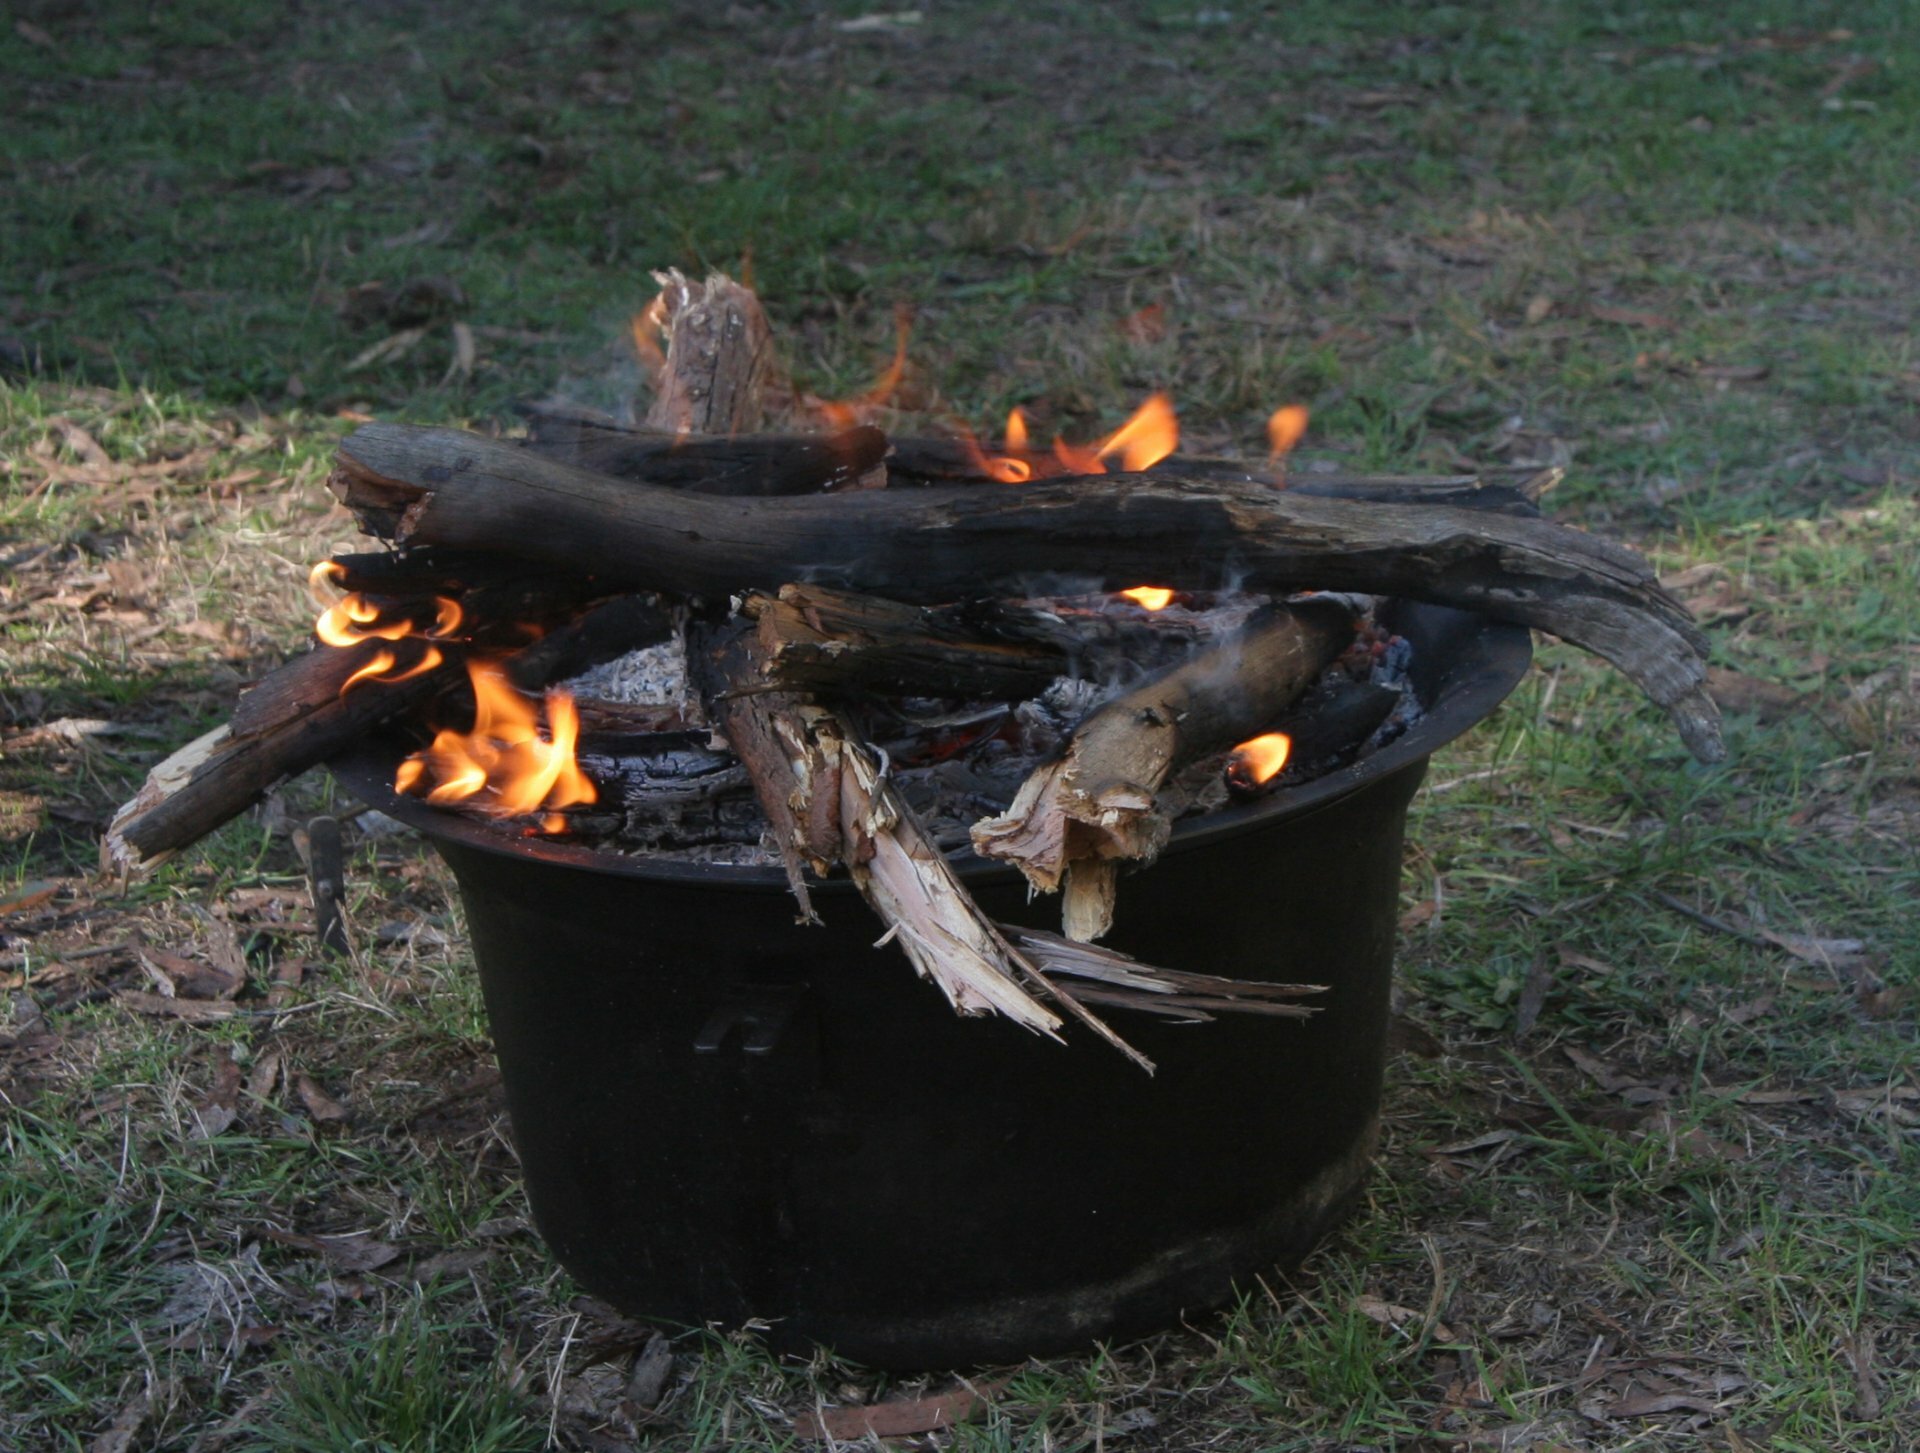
<point x="723" y="1116"/>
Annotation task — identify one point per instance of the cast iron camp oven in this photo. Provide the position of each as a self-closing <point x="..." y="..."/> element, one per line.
<point x="724" y="1116"/>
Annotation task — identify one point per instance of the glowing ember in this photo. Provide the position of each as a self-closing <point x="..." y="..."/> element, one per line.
<point x="1260" y="758"/>
<point x="1285" y="428"/>
<point x="503" y="766"/>
<point x="1149" y="597"/>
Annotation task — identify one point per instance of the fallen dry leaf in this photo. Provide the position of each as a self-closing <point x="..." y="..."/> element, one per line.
<point x="320" y="1105"/>
<point x="898" y="1420"/>
<point x="184" y="978"/>
<point x="119" y="1434"/>
<point x="1647" y="1405"/>
<point x="1630" y="317"/>
<point x="264" y="1075"/>
<point x="355" y="1251"/>
<point x="1770" y="701"/>
<point x="220" y="1108"/>
<point x="29" y="895"/>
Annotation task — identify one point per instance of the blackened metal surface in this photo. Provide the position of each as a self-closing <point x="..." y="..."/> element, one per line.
<point x="725" y="1116"/>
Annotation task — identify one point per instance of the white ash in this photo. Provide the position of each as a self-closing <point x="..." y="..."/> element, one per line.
<point x="1046" y="720"/>
<point x="651" y="676"/>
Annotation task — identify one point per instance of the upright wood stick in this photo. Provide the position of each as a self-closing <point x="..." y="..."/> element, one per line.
<point x="718" y="357"/>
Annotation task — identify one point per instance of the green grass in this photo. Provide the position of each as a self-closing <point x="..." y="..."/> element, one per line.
<point x="1667" y="246"/>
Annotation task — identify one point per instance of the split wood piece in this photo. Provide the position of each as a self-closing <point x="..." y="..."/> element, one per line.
<point x="812" y="638"/>
<point x="746" y="464"/>
<point x="1075" y="818"/>
<point x="719" y="356"/>
<point x="215" y="778"/>
<point x="443" y="487"/>
<point x="1126" y="983"/>
<point x="827" y="796"/>
<point x="762" y="729"/>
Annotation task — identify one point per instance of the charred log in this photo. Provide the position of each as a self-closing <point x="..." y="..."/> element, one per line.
<point x="816" y="639"/>
<point x="746" y="464"/>
<point x="436" y="486"/>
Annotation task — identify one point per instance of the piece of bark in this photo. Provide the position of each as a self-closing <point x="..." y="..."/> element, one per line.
<point x="1099" y="801"/>
<point x="817" y="639"/>
<point x="719" y="356"/>
<point x="442" y="487"/>
<point x="746" y="464"/>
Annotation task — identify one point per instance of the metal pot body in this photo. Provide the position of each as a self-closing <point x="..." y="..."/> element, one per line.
<point x="723" y="1116"/>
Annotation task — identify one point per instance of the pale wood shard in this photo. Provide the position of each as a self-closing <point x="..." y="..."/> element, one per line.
<point x="444" y="487"/>
<point x="1099" y="802"/>
<point x="719" y="356"/>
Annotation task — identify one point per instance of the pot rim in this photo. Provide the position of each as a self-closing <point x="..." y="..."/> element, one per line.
<point x="1487" y="659"/>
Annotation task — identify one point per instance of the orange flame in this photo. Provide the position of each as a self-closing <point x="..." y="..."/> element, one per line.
<point x="844" y="414"/>
<point x="646" y="328"/>
<point x="503" y="766"/>
<point x="1149" y="597"/>
<point x="1144" y="440"/>
<point x="1284" y="430"/>
<point x="354" y="618"/>
<point x="1261" y="758"/>
<point x="1149" y="436"/>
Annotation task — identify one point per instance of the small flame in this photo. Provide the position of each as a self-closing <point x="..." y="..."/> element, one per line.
<point x="1149" y="597"/>
<point x="384" y="661"/>
<point x="354" y="618"/>
<point x="1008" y="467"/>
<point x="646" y="327"/>
<point x="1285" y="429"/>
<point x="1148" y="437"/>
<point x="1142" y="442"/>
<point x="503" y="766"/>
<point x="844" y="414"/>
<point x="1016" y="438"/>
<point x="1261" y="758"/>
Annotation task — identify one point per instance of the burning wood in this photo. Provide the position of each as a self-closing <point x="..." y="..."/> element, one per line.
<point x="834" y="583"/>
<point x="439" y="486"/>
<point x="1076" y="818"/>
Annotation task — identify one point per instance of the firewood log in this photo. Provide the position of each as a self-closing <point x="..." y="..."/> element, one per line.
<point x="745" y="464"/>
<point x="443" y="487"/>
<point x="1076" y="817"/>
